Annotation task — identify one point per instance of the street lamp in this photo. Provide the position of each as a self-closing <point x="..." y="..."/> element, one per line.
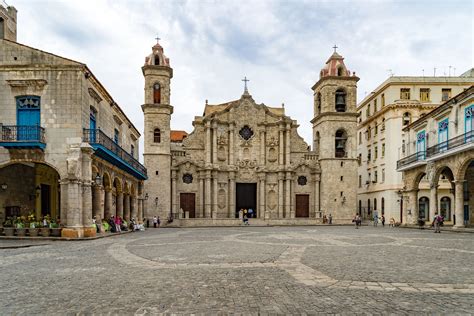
<point x="98" y="179"/>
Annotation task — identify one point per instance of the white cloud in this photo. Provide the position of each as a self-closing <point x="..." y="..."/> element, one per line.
<point x="279" y="45"/>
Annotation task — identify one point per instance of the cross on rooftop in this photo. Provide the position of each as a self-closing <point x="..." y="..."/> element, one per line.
<point x="157" y="39"/>
<point x="335" y="47"/>
<point x="245" y="80"/>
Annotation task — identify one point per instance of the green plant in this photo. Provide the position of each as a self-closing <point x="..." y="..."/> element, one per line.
<point x="35" y="224"/>
<point x="8" y="222"/>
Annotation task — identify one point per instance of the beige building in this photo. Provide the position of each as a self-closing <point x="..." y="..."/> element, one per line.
<point x="383" y="114"/>
<point x="440" y="148"/>
<point x="245" y="155"/>
<point x="67" y="149"/>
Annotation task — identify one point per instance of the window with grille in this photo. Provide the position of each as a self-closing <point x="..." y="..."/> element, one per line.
<point x="405" y="93"/>
<point x="424" y="95"/>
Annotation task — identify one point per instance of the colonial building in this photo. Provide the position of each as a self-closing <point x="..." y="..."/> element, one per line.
<point x="67" y="149"/>
<point x="383" y="114"/>
<point x="440" y="145"/>
<point x="242" y="154"/>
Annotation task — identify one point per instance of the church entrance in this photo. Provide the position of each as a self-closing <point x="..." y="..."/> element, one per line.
<point x="302" y="205"/>
<point x="187" y="201"/>
<point x="246" y="198"/>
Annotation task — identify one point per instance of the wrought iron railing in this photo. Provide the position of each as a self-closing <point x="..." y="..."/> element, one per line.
<point x="96" y="136"/>
<point x="19" y="133"/>
<point x="419" y="156"/>
<point x="451" y="144"/>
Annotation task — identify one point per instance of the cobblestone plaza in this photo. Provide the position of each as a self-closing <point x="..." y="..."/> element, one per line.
<point x="247" y="270"/>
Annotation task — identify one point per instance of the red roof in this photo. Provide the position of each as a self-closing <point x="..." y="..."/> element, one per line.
<point x="178" y="136"/>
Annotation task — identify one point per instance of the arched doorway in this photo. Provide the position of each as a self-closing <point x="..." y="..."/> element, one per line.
<point x="29" y="188"/>
<point x="445" y="207"/>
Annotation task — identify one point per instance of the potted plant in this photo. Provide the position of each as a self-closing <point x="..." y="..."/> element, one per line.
<point x="45" y="223"/>
<point x="34" y="228"/>
<point x="8" y="228"/>
<point x="55" y="229"/>
<point x="20" y="226"/>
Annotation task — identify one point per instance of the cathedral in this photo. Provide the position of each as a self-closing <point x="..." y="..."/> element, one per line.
<point x="243" y="154"/>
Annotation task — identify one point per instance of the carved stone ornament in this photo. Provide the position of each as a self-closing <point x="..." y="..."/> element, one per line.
<point x="246" y="132"/>
<point x="221" y="140"/>
<point x="272" y="142"/>
<point x="187" y="178"/>
<point x="429" y="171"/>
<point x="302" y="180"/>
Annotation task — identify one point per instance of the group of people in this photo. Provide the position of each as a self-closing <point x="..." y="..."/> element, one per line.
<point x="117" y="224"/>
<point x="327" y="219"/>
<point x="245" y="214"/>
<point x="155" y="220"/>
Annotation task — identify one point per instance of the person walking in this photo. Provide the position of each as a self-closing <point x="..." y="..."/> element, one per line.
<point x="158" y="221"/>
<point x="437" y="223"/>
<point x="330" y="219"/>
<point x="376" y="219"/>
<point x="382" y="219"/>
<point x="155" y="221"/>
<point x="117" y="224"/>
<point x="356" y="221"/>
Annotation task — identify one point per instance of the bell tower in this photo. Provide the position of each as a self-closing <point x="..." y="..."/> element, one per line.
<point x="157" y="112"/>
<point x="334" y="137"/>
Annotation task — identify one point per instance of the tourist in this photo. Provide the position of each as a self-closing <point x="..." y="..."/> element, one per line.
<point x="325" y="219"/>
<point x="111" y="223"/>
<point x="250" y="213"/>
<point x="241" y="214"/>
<point x="155" y="221"/>
<point x="117" y="224"/>
<point x="158" y="221"/>
<point x="438" y="219"/>
<point x="356" y="221"/>
<point x="392" y="222"/>
<point x="382" y="219"/>
<point x="246" y="220"/>
<point x="376" y="219"/>
<point x="330" y="219"/>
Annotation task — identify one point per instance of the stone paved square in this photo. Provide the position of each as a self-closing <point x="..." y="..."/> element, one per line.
<point x="246" y="270"/>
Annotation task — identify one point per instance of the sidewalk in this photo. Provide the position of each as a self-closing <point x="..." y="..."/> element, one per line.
<point x="40" y="238"/>
<point x="443" y="229"/>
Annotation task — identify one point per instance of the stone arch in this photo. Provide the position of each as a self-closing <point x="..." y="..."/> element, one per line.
<point x="133" y="190"/>
<point x="106" y="180"/>
<point x="340" y="143"/>
<point x="117" y="184"/>
<point x="2" y="165"/>
<point x="461" y="169"/>
<point x="340" y="100"/>
<point x="416" y="180"/>
<point x="443" y="170"/>
<point x="126" y="187"/>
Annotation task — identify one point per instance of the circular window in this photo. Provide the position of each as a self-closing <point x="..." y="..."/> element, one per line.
<point x="246" y="132"/>
<point x="187" y="178"/>
<point x="302" y="180"/>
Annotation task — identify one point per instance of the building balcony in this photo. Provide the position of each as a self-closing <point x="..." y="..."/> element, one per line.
<point x="110" y="151"/>
<point x="451" y="146"/>
<point x="22" y="137"/>
<point x="412" y="161"/>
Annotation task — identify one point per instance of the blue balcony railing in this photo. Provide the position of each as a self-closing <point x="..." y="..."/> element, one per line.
<point x="450" y="144"/>
<point x="22" y="136"/>
<point x="109" y="150"/>
<point x="419" y="156"/>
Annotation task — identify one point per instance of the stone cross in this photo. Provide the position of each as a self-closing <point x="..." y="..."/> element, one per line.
<point x="157" y="39"/>
<point x="245" y="80"/>
<point x="335" y="47"/>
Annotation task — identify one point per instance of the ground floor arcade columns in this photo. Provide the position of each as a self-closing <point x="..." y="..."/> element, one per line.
<point x="433" y="201"/>
<point x="108" y="203"/>
<point x="459" y="203"/>
<point x="413" y="207"/>
<point x="119" y="204"/>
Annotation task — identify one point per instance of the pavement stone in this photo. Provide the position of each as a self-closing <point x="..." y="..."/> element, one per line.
<point x="243" y="271"/>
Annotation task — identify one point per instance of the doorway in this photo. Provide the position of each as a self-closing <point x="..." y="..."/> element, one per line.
<point x="246" y="198"/>
<point x="302" y="205"/>
<point x="45" y="200"/>
<point x="187" y="201"/>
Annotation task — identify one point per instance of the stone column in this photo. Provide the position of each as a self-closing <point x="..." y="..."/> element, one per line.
<point x="231" y="143"/>
<point x="74" y="207"/>
<point x="87" y="204"/>
<point x="287" y="145"/>
<point x="459" y="203"/>
<point x="64" y="201"/>
<point x="214" y="142"/>
<point x="200" y="212"/>
<point x="317" y="199"/>
<point x="133" y="207"/>
<point x="96" y="199"/>
<point x="281" y="143"/>
<point x="119" y="204"/>
<point x="231" y="201"/>
<point x="281" y="177"/>
<point x="208" y="142"/>
<point x="413" y="206"/>
<point x="108" y="203"/>
<point x="207" y="205"/>
<point x="140" y="210"/>
<point x="214" y="195"/>
<point x="262" y="146"/>
<point x="288" y="196"/>
<point x="433" y="201"/>
<point x="126" y="207"/>
<point x="102" y="203"/>
<point x="262" y="212"/>
<point x="174" y="206"/>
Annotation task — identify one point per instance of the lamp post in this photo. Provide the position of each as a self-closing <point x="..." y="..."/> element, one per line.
<point x="400" y="194"/>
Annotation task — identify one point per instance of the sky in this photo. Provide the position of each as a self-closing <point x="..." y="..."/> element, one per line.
<point x="280" y="46"/>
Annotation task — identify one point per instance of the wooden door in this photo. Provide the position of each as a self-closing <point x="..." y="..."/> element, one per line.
<point x="188" y="203"/>
<point x="302" y="205"/>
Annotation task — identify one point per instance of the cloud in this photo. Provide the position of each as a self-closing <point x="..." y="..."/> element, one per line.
<point x="280" y="45"/>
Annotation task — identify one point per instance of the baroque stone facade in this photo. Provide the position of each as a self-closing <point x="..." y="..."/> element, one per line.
<point x="242" y="154"/>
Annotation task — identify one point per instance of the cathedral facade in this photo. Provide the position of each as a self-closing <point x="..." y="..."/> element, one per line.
<point x="244" y="155"/>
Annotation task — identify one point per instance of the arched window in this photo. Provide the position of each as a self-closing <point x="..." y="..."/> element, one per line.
<point x="156" y="93"/>
<point x="340" y="101"/>
<point x="445" y="207"/>
<point x="375" y="205"/>
<point x="369" y="210"/>
<point x="340" y="143"/>
<point x="2" y="28"/>
<point x="360" y="208"/>
<point x="423" y="207"/>
<point x="318" y="103"/>
<point x="340" y="71"/>
<point x="316" y="143"/>
<point x="157" y="135"/>
<point x="157" y="60"/>
<point x="383" y="206"/>
<point x="406" y="118"/>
